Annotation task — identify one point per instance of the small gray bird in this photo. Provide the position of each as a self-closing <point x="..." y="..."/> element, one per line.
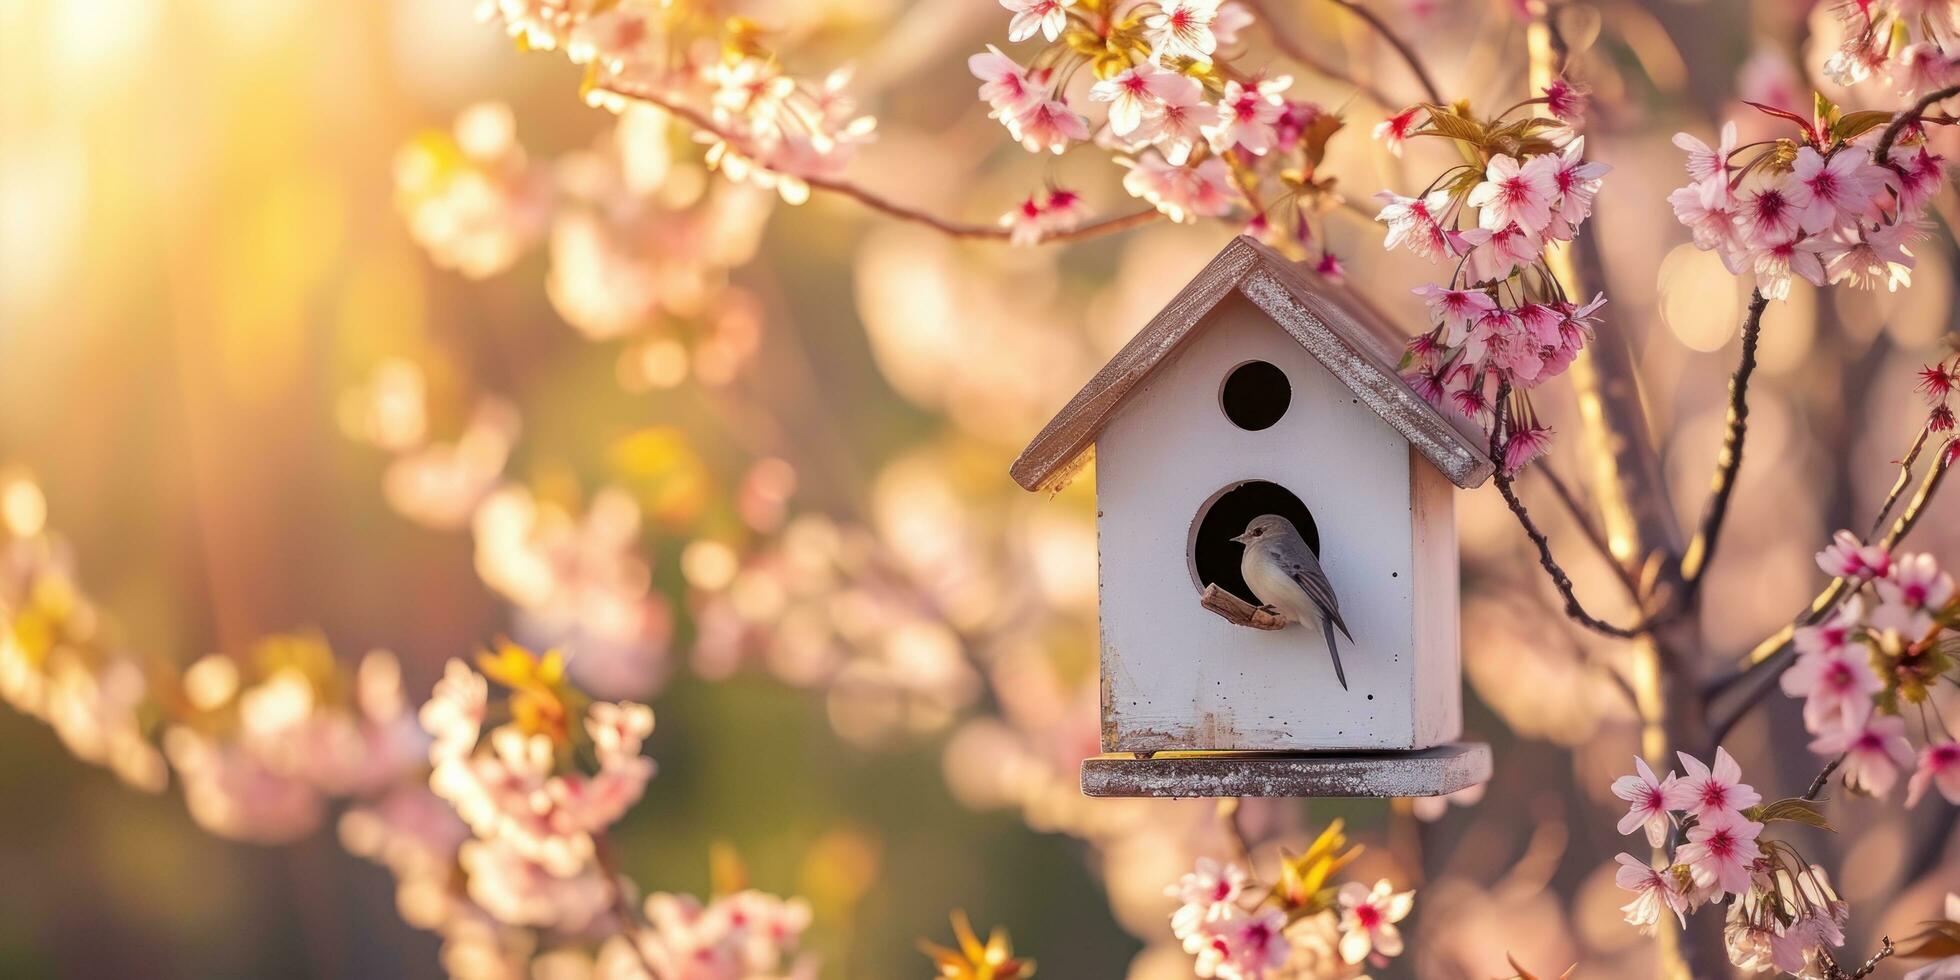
<point x="1284" y="574"/>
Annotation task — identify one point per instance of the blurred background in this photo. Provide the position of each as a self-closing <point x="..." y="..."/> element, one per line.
<point x="275" y="373"/>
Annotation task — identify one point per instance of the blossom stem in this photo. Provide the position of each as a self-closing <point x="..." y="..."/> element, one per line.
<point x="1574" y="609"/>
<point x="1899" y="485"/>
<point x="1701" y="550"/>
<point x="1401" y="47"/>
<point x="1824" y="776"/>
<point x="877" y="202"/>
<point x="1291" y="48"/>
<point x="1883" y="148"/>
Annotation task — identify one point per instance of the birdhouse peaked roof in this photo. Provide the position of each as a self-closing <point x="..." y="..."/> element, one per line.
<point x="1349" y="339"/>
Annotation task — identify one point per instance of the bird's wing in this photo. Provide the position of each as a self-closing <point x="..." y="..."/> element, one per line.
<point x="1305" y="570"/>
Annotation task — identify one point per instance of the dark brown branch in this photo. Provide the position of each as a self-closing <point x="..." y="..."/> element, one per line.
<point x="1817" y="785"/>
<point x="1591" y="531"/>
<point x="872" y="199"/>
<point x="1885" y="949"/>
<point x="1883" y="148"/>
<point x="1308" y="60"/>
<point x="1574" y="609"/>
<point x="1401" y="47"/>
<point x="1904" y="480"/>
<point x="1728" y="464"/>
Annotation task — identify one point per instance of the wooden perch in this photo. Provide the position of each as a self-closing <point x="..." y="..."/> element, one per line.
<point x="1237" y="610"/>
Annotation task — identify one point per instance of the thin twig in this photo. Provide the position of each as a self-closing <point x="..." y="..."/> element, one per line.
<point x="1904" y="480"/>
<point x="1401" y="47"/>
<point x="1308" y="60"/>
<point x="1885" y="949"/>
<point x="1593" y="535"/>
<point x="1728" y="464"/>
<point x="1817" y="785"/>
<point x="1883" y="148"/>
<point x="1574" y="609"/>
<point x="872" y="199"/>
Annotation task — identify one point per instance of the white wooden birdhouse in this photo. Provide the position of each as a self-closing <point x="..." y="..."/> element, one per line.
<point x="1259" y="390"/>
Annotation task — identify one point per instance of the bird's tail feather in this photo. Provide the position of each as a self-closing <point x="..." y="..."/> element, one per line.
<point x="1327" y="627"/>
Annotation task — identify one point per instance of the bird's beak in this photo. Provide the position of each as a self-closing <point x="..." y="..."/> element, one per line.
<point x="1239" y="540"/>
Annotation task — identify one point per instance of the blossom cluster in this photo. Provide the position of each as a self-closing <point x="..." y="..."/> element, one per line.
<point x="1879" y="656"/>
<point x="1819" y="205"/>
<point x="1502" y="319"/>
<point x="1301" y="926"/>
<point x="1936" y="382"/>
<point x="576" y="581"/>
<point x="1909" y="43"/>
<point x="1782" y="912"/>
<point x="1198" y="135"/>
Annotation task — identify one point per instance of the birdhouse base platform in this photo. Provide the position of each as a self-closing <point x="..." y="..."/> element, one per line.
<point x="1184" y="775"/>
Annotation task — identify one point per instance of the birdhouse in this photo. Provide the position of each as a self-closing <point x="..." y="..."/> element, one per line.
<point x="1262" y="389"/>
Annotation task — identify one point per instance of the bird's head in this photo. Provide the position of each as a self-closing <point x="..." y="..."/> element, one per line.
<point x="1266" y="527"/>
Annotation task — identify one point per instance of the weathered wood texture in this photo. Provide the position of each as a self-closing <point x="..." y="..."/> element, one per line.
<point x="1347" y="338"/>
<point x="1175" y="676"/>
<point x="1427" y="772"/>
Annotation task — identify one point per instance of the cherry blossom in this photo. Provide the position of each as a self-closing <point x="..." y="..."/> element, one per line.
<point x="1914" y="590"/>
<point x="1712" y="794"/>
<point x="1873" y="754"/>
<point x="1182" y="193"/>
<point x="1832" y="675"/>
<point x="1004" y="85"/>
<point x="1939" y="767"/>
<point x="1135" y="92"/>
<point x="1247" y="115"/>
<point x="1519" y="194"/>
<point x="1847" y="557"/>
<point x="1648" y="802"/>
<point x="1368" y="918"/>
<point x="1704" y="162"/>
<point x="1047" y="17"/>
<point x="1394" y="131"/>
<point x="1183" y="29"/>
<point x="1207" y="895"/>
<point x="1655" y="892"/>
<point x="1721" y="849"/>
<point x="1838" y="190"/>
<point x="1178" y="123"/>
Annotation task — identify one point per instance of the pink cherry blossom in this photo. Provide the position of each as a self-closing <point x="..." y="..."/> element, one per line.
<point x="1258" y="944"/>
<point x="1133" y="93"/>
<point x="1768" y="215"/>
<point x="1046" y="16"/>
<point x="1878" y="258"/>
<point x="1721" y="850"/>
<point x="1182" y="193"/>
<point x="1847" y="557"/>
<point x="1497" y="254"/>
<point x="1873" y="754"/>
<point x="1417" y="222"/>
<point x="1647" y="803"/>
<point x="1023" y="223"/>
<point x="1939" y="766"/>
<point x="1247" y="115"/>
<point x="1183" y="29"/>
<point x="1516" y="193"/>
<point x="1837" y="683"/>
<point x="1206" y="895"/>
<point x="1567" y="100"/>
<point x="1915" y="589"/>
<point x="1704" y="162"/>
<point x="1709" y="212"/>
<point x="1829" y="192"/>
<point x="1456" y="309"/>
<point x="1526" y="443"/>
<point x="1655" y="891"/>
<point x="1577" y="182"/>
<point x="1179" y="120"/>
<point x="1776" y="262"/>
<point x="1005" y="85"/>
<point x="1712" y="794"/>
<point x="1394" y="131"/>
<point x="1049" y="125"/>
<point x="1368" y="918"/>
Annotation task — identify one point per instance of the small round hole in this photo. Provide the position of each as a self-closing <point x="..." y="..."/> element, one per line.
<point x="1255" y="395"/>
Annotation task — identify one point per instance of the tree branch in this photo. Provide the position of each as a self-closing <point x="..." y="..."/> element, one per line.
<point x="1308" y="60"/>
<point x="871" y="199"/>
<point x="1817" y="785"/>
<point x="1701" y="550"/>
<point x="1401" y="47"/>
<point x="1883" y="148"/>
<point x="1904" y="479"/>
<point x="1574" y="609"/>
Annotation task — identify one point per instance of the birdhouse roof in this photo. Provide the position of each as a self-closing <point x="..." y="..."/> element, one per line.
<point x="1350" y="339"/>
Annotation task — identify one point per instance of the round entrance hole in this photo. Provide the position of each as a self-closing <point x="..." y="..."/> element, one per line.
<point x="1215" y="556"/>
<point x="1255" y="395"/>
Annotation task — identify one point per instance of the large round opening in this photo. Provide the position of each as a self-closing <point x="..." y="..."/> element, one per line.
<point x="1255" y="395"/>
<point x="1215" y="556"/>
